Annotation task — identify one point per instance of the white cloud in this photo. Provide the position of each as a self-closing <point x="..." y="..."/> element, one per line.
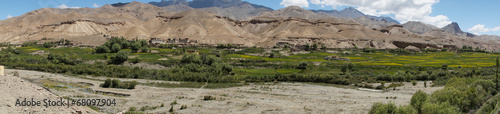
<point x="479" y="28"/>
<point x="9" y="16"/>
<point x="64" y="6"/>
<point x="301" y="3"/>
<point x="95" y="5"/>
<point x="403" y="10"/>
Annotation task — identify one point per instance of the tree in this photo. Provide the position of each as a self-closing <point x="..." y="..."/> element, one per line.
<point x="323" y="47"/>
<point x="119" y="58"/>
<point x="314" y="46"/>
<point x="107" y="83"/>
<point x="144" y="49"/>
<point x="116" y="48"/>
<point x="350" y="67"/>
<point x="136" y="46"/>
<point x="302" y="65"/>
<point x="102" y="49"/>
<point x="496" y="77"/>
<point x="48" y="44"/>
<point x="344" y="69"/>
<point x="444" y="67"/>
<point x="381" y="108"/>
<point x="306" y="47"/>
<point x="115" y="83"/>
<point x="271" y="55"/>
<point x="418" y="100"/>
<point x="441" y="108"/>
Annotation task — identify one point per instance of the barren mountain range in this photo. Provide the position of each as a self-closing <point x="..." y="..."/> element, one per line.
<point x="233" y="21"/>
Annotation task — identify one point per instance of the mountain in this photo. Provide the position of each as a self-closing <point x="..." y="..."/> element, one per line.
<point x="358" y="16"/>
<point x="419" y="27"/>
<point x="163" y="3"/>
<point x="453" y="28"/>
<point x="353" y="13"/>
<point x="295" y="11"/>
<point x="234" y="9"/>
<point x="292" y="25"/>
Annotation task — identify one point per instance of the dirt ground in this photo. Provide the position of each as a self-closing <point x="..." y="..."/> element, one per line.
<point x="253" y="98"/>
<point x="13" y="88"/>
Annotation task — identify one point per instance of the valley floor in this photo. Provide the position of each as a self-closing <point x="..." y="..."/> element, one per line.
<point x="251" y="98"/>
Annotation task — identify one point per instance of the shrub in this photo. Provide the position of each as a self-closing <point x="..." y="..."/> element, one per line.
<point x="116" y="48"/>
<point x="102" y="49"/>
<point x="119" y="58"/>
<point x="302" y="65"/>
<point x="183" y="107"/>
<point x="171" y="109"/>
<point x="442" y="108"/>
<point x="414" y="83"/>
<point x="107" y="83"/>
<point x="115" y="83"/>
<point x="418" y="100"/>
<point x="135" y="60"/>
<point x="207" y="98"/>
<point x="48" y="44"/>
<point x="381" y="108"/>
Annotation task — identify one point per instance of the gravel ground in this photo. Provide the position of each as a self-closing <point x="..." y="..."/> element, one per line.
<point x="253" y="98"/>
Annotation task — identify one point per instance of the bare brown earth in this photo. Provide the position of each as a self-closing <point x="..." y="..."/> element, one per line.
<point x="13" y="88"/>
<point x="297" y="26"/>
<point x="253" y="98"/>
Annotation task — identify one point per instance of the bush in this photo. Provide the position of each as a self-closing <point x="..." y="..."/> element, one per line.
<point x="391" y="108"/>
<point x="418" y="100"/>
<point x="107" y="83"/>
<point x="207" y="98"/>
<point x="102" y="49"/>
<point x="302" y="65"/>
<point x="49" y="44"/>
<point x="135" y="60"/>
<point x="119" y="58"/>
<point x="26" y="44"/>
<point x="381" y="108"/>
<point x="115" y="83"/>
<point x="116" y="48"/>
<point x="442" y="108"/>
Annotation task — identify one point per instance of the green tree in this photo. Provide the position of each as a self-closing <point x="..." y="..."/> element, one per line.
<point x="119" y="58"/>
<point x="418" y="100"/>
<point x="144" y="49"/>
<point x="344" y="69"/>
<point x="302" y="65"/>
<point x="115" y="83"/>
<point x="405" y="110"/>
<point x="315" y="46"/>
<point x="48" y="44"/>
<point x="107" y="83"/>
<point x="442" y="108"/>
<point x="102" y="49"/>
<point x="116" y="48"/>
<point x="271" y="55"/>
<point x="136" y="46"/>
<point x="350" y="67"/>
<point x="381" y="108"/>
<point x="496" y="76"/>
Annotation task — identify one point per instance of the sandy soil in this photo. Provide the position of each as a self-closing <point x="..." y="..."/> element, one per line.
<point x="13" y="88"/>
<point x="253" y="98"/>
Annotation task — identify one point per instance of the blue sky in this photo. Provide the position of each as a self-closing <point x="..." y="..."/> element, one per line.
<point x="479" y="16"/>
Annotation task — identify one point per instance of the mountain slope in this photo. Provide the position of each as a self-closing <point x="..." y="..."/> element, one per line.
<point x="295" y="11"/>
<point x="453" y="28"/>
<point x="292" y="25"/>
<point x="419" y="27"/>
